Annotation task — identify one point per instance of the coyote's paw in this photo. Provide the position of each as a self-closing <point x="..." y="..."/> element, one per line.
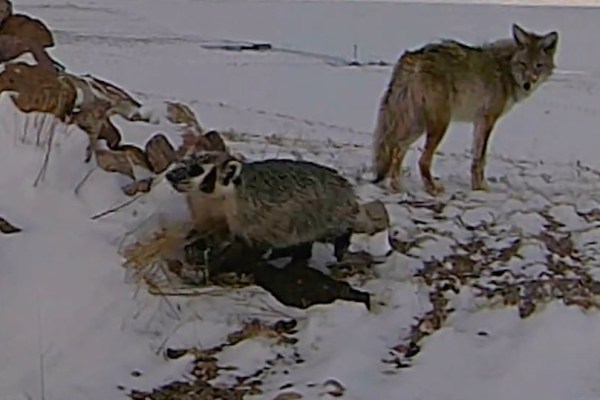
<point x="480" y="185"/>
<point x="395" y="185"/>
<point x="434" y="188"/>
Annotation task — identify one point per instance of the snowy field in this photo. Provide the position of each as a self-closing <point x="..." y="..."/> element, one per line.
<point x="72" y="327"/>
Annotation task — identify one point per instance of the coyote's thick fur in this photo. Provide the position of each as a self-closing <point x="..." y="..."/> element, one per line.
<point x="449" y="81"/>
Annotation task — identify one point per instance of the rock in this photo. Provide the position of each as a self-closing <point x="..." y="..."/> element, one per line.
<point x="372" y="218"/>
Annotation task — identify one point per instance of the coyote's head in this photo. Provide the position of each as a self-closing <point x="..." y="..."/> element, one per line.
<point x="533" y="61"/>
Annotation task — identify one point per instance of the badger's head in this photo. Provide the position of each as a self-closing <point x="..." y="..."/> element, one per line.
<point x="209" y="172"/>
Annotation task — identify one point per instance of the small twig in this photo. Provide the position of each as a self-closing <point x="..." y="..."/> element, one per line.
<point x="191" y="292"/>
<point x="85" y="178"/>
<point x="161" y="347"/>
<point x="131" y="232"/>
<point x="42" y="172"/>
<point x="119" y="207"/>
<point x="41" y="346"/>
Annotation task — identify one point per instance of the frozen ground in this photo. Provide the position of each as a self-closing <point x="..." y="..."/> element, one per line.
<point x="66" y="310"/>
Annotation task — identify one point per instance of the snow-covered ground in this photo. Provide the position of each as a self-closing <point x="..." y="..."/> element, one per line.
<point x="71" y="324"/>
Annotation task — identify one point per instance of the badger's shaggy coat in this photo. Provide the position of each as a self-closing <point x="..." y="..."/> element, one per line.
<point x="273" y="204"/>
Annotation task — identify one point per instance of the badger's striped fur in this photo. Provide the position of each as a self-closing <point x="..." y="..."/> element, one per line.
<point x="273" y="204"/>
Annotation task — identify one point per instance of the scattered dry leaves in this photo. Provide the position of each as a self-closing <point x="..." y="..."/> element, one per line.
<point x="489" y="273"/>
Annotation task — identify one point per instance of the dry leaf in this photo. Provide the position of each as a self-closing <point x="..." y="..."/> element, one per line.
<point x="160" y="153"/>
<point x="38" y="89"/>
<point x="6" y="9"/>
<point x="136" y="156"/>
<point x="8" y="228"/>
<point x="93" y="90"/>
<point x="27" y="28"/>
<point x="93" y="119"/>
<point x="179" y="113"/>
<point x="141" y="186"/>
<point x="11" y="47"/>
<point x="114" y="161"/>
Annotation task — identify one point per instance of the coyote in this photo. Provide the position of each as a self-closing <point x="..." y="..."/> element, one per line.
<point x="448" y="81"/>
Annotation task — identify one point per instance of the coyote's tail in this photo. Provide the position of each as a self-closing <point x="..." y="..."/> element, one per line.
<point x="397" y="118"/>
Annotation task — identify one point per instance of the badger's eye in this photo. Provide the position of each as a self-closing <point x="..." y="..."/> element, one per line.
<point x="195" y="170"/>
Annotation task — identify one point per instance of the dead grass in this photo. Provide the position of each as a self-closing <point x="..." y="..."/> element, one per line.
<point x="147" y="258"/>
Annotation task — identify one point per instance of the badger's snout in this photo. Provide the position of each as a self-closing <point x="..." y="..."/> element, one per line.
<point x="177" y="175"/>
<point x="179" y="179"/>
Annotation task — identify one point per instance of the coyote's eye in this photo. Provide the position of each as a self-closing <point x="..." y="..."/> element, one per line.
<point x="195" y="170"/>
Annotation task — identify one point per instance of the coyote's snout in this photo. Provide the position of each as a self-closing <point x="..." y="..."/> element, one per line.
<point x="448" y="81"/>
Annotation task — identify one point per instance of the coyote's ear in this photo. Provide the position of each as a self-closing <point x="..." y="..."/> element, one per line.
<point x="232" y="172"/>
<point x="520" y="35"/>
<point x="548" y="42"/>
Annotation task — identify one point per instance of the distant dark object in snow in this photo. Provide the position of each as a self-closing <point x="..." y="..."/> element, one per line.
<point x="239" y="46"/>
<point x="8" y="228"/>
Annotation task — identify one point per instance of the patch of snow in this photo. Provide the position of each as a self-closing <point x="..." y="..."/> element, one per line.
<point x="530" y="223"/>
<point x="63" y="289"/>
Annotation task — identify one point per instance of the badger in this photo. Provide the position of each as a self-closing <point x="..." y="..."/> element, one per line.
<point x="274" y="204"/>
<point x="205" y="209"/>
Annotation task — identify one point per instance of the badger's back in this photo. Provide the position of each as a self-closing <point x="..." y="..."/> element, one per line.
<point x="280" y="203"/>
